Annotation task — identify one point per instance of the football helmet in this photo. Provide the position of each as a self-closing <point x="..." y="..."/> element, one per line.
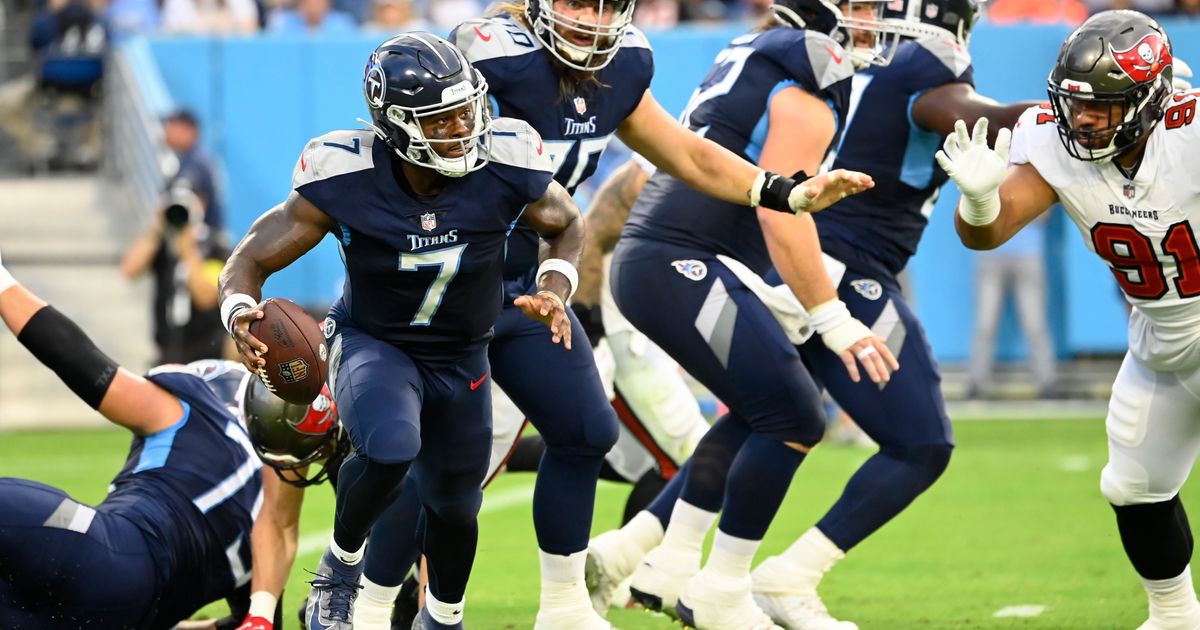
<point x="416" y="75"/>
<point x="921" y="19"/>
<point x="827" y="16"/>
<point x="1118" y="62"/>
<point x="605" y="38"/>
<point x="288" y="436"/>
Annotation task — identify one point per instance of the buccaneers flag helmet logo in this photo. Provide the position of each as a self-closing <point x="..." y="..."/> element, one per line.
<point x="1144" y="60"/>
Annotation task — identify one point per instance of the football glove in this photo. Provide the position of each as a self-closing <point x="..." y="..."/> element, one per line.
<point x="976" y="169"/>
<point x="838" y="329"/>
<point x="255" y="623"/>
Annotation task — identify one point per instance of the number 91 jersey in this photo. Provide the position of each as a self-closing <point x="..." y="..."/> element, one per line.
<point x="1144" y="228"/>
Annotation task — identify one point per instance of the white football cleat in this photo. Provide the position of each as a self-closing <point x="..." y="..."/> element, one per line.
<point x="660" y="576"/>
<point x="710" y="602"/>
<point x="568" y="610"/>
<point x="1173" y="611"/>
<point x="782" y="592"/>
<point x="611" y="560"/>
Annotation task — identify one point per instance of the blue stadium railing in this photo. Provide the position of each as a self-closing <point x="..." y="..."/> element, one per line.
<point x="260" y="99"/>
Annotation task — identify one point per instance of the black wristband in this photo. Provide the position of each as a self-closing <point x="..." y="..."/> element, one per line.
<point x="61" y="345"/>
<point x="776" y="189"/>
<point x="591" y="320"/>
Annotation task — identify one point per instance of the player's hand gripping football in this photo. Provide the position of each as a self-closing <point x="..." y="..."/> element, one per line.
<point x="824" y="190"/>
<point x="976" y="169"/>
<point x="256" y="623"/>
<point x="250" y="349"/>
<point x="853" y="342"/>
<point x="547" y="307"/>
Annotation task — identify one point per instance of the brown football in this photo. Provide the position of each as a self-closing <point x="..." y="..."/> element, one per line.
<point x="297" y="358"/>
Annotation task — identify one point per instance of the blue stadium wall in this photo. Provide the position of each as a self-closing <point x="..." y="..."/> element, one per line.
<point x="261" y="99"/>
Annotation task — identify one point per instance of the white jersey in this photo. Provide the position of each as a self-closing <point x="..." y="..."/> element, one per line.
<point x="1144" y="228"/>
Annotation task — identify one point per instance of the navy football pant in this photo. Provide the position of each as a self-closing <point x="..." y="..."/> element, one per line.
<point x="400" y="409"/>
<point x="906" y="417"/>
<point x="559" y="390"/>
<point x="65" y="565"/>
<point x="696" y="310"/>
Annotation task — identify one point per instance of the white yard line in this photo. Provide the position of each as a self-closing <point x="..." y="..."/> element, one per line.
<point x="1024" y="610"/>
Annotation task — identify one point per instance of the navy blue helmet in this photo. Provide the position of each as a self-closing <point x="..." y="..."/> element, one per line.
<point x="418" y="75"/>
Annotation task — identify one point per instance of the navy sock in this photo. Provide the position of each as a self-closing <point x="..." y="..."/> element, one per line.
<point x="450" y="550"/>
<point x="1156" y="537"/>
<point x="662" y="504"/>
<point x="758" y="482"/>
<point x="881" y="488"/>
<point x="563" y="500"/>
<point x="364" y="489"/>
<point x="705" y="483"/>
<point x="393" y="549"/>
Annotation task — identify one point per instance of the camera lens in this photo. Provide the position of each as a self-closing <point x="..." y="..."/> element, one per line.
<point x="177" y="215"/>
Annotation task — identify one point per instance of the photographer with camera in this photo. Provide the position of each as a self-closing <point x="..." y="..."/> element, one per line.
<point x="185" y="248"/>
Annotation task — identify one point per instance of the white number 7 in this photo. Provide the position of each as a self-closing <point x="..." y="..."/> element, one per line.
<point x="446" y="260"/>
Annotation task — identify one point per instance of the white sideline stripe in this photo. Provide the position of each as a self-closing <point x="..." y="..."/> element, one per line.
<point x="1075" y="463"/>
<point x="1024" y="610"/>
<point x="520" y="495"/>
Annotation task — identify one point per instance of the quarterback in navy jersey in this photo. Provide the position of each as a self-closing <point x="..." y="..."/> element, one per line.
<point x="868" y="239"/>
<point x="421" y="206"/>
<point x="172" y="535"/>
<point x="579" y="73"/>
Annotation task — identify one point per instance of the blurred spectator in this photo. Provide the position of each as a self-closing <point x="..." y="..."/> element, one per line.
<point x="198" y="170"/>
<point x="132" y="17"/>
<point x="1188" y="8"/>
<point x="656" y="14"/>
<point x="312" y="17"/>
<point x="446" y="14"/>
<point x="1072" y="12"/>
<point x="1017" y="268"/>
<point x="210" y="17"/>
<point x="395" y="16"/>
<point x="1156" y="8"/>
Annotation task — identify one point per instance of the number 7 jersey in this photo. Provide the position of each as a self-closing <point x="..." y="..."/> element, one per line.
<point x="1144" y="228"/>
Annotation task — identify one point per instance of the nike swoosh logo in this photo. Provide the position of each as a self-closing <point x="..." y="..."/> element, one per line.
<point x="303" y="166"/>
<point x="486" y="38"/>
<point x="475" y="384"/>
<point x="836" y="57"/>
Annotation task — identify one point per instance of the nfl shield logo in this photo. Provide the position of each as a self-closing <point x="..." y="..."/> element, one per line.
<point x="429" y="221"/>
<point x="1129" y="191"/>
<point x="580" y="105"/>
<point x="294" y="370"/>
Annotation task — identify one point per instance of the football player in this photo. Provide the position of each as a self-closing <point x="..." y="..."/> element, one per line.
<point x="437" y="185"/>
<point x="173" y="532"/>
<point x="777" y="95"/>
<point x="578" y="72"/>
<point x="1112" y="148"/>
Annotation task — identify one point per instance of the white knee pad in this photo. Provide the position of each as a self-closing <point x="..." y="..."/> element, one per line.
<point x="1124" y="481"/>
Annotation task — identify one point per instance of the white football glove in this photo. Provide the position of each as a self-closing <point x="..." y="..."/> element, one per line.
<point x="976" y="169"/>
<point x="1181" y="77"/>
<point x="838" y="328"/>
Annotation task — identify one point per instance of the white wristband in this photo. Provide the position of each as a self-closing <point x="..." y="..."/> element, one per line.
<point x="262" y="604"/>
<point x="232" y="305"/>
<point x="980" y="212"/>
<point x="838" y="329"/>
<point x="756" y="188"/>
<point x="563" y="267"/>
<point x="6" y="279"/>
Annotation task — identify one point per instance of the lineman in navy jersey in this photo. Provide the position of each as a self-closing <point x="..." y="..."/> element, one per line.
<point x="172" y="535"/>
<point x="579" y="72"/>
<point x="437" y="185"/>
<point x="868" y="239"/>
<point x="778" y="95"/>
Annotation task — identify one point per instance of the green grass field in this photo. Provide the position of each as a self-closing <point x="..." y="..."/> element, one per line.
<point x="1017" y="520"/>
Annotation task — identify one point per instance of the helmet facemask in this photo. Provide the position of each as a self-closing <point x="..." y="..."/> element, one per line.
<point x="289" y="437"/>
<point x="605" y="39"/>
<point x="1131" y="114"/>
<point x="884" y="34"/>
<point x="414" y="147"/>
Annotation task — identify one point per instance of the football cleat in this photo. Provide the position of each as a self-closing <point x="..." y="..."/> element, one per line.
<point x="610" y="561"/>
<point x="330" y="604"/>
<point x="407" y="604"/>
<point x="1173" y="611"/>
<point x="425" y="621"/>
<point x="791" y="602"/>
<point x="657" y="580"/>
<point x="568" y="609"/>
<point x="710" y="602"/>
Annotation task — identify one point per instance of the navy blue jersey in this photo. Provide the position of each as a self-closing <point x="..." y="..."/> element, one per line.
<point x="194" y="490"/>
<point x="876" y="232"/>
<point x="730" y="108"/>
<point x="422" y="271"/>
<point x="576" y="127"/>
